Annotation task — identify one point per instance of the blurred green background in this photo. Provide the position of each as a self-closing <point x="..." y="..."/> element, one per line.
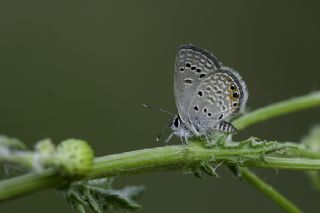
<point x="83" y="69"/>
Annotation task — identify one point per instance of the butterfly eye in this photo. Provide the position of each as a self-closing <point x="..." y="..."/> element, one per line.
<point x="176" y="122"/>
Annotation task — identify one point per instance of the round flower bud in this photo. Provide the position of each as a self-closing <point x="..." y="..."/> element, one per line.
<point x="74" y="157"/>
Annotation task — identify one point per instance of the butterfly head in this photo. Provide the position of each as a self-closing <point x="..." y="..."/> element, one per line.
<point x="179" y="128"/>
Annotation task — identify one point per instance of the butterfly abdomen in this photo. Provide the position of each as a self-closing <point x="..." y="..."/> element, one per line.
<point x="224" y="126"/>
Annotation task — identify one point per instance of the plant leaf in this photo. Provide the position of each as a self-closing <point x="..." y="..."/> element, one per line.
<point x="99" y="195"/>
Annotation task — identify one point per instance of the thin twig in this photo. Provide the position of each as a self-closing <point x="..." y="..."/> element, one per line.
<point x="269" y="191"/>
<point x="278" y="109"/>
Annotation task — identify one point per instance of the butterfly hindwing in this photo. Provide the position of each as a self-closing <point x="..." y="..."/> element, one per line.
<point x="217" y="97"/>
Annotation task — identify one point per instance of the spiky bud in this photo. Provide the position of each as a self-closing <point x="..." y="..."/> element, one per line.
<point x="74" y="157"/>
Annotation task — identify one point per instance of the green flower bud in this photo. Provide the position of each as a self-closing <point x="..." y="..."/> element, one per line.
<point x="74" y="157"/>
<point x="45" y="147"/>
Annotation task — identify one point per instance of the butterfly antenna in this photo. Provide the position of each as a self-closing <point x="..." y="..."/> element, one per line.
<point x="157" y="109"/>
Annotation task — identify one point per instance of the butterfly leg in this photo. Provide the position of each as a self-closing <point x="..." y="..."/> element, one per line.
<point x="185" y="141"/>
<point x="225" y="127"/>
<point x="169" y="137"/>
<point x="207" y="138"/>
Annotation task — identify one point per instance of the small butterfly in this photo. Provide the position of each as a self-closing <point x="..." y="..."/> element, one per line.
<point x="207" y="93"/>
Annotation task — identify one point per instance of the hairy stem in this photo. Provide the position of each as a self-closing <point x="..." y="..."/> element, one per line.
<point x="23" y="158"/>
<point x="28" y="183"/>
<point x="268" y="190"/>
<point x="158" y="159"/>
<point x="172" y="157"/>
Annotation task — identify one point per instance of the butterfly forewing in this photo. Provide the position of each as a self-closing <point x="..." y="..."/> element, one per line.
<point x="192" y="66"/>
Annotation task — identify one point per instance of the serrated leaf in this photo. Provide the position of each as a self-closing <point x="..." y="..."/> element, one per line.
<point x="92" y="202"/>
<point x="99" y="195"/>
<point x="104" y="183"/>
<point x="80" y="208"/>
<point x="125" y="197"/>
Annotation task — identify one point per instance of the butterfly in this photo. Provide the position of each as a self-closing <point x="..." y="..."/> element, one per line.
<point x="207" y="94"/>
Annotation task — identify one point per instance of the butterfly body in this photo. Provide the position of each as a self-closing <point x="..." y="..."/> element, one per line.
<point x="207" y="93"/>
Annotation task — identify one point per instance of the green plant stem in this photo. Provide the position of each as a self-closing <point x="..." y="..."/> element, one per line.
<point x="157" y="159"/>
<point x="274" y="110"/>
<point x="277" y="109"/>
<point x="285" y="163"/>
<point x="176" y="157"/>
<point x="29" y="183"/>
<point x="300" y="150"/>
<point x="23" y="158"/>
<point x="268" y="190"/>
<point x="172" y="157"/>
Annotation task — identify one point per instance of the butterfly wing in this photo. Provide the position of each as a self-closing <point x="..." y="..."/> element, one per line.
<point x="218" y="97"/>
<point x="192" y="65"/>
